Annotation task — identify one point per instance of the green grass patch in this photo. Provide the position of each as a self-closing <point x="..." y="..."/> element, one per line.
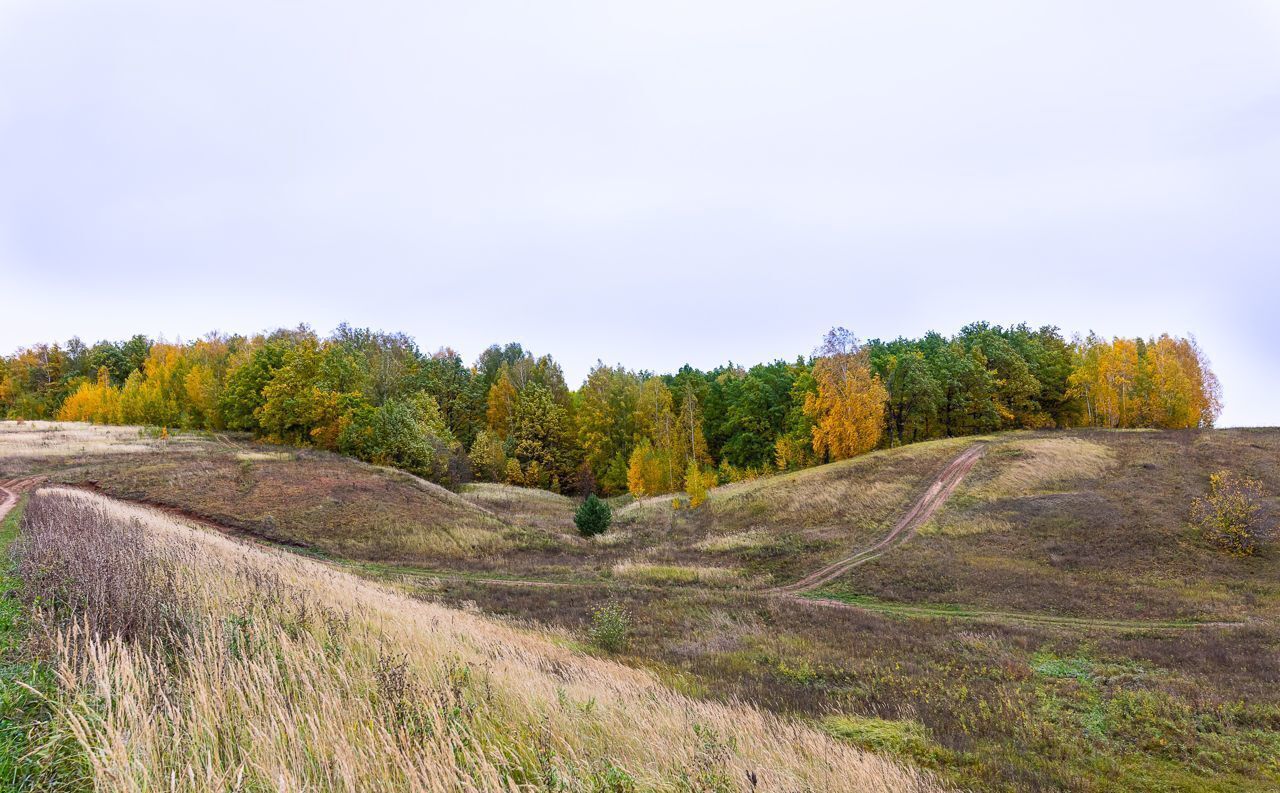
<point x="897" y="736"/>
<point x="34" y="755"/>
<point x="953" y="611"/>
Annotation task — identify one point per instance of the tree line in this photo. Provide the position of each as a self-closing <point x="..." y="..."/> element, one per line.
<point x="510" y="417"/>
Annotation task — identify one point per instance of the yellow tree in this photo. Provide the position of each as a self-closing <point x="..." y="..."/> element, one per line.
<point x="646" y="473"/>
<point x="1118" y="373"/>
<point x="847" y="408"/>
<point x="697" y="482"/>
<point x="502" y="401"/>
<point x="1085" y="382"/>
<point x="1184" y="391"/>
<point x="98" y="402"/>
<point x="656" y="423"/>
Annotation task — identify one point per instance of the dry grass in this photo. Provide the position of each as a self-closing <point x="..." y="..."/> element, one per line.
<point x="264" y="457"/>
<point x="868" y="490"/>
<point x="525" y="506"/>
<point x="42" y="439"/>
<point x="317" y="500"/>
<point x="289" y="676"/>
<point x="738" y="541"/>
<point x="653" y="573"/>
<point x="1035" y="465"/>
<point x="964" y="525"/>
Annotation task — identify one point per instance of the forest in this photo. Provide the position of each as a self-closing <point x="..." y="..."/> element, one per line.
<point x="511" y="417"/>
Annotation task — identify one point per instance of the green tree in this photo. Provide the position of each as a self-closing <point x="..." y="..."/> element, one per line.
<point x="241" y="397"/>
<point x="606" y="415"/>
<point x="488" y="458"/>
<point x="593" y="516"/>
<point x="409" y="434"/>
<point x="541" y="437"/>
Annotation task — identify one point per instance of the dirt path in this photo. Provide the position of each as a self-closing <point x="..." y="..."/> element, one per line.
<point x="939" y="490"/>
<point x="9" y="490"/>
<point x="8" y="499"/>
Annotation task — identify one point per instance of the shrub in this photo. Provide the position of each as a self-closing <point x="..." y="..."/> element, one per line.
<point x="610" y="627"/>
<point x="409" y="434"/>
<point x="592" y="517"/>
<point x="1227" y="516"/>
<point x="697" y="483"/>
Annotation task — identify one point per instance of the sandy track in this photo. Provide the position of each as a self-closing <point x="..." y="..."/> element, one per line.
<point x="9" y="490"/>
<point x="924" y="508"/>
<point x="8" y="499"/>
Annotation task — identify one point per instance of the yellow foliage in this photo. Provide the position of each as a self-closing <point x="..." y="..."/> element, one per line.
<point x="502" y="404"/>
<point x="1127" y="383"/>
<point x="97" y="402"/>
<point x="645" y="472"/>
<point x="697" y="483"/>
<point x="848" y="408"/>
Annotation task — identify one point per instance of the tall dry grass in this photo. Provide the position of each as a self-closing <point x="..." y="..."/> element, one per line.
<point x="37" y="439"/>
<point x="246" y="669"/>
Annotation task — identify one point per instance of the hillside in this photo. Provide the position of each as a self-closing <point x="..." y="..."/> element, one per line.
<point x="399" y="695"/>
<point x="1090" y="524"/>
<point x="1051" y="622"/>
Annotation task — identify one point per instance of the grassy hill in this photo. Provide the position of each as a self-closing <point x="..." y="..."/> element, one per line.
<point x="1057" y="625"/>
<point x="238" y="668"/>
<point x="1090" y="524"/>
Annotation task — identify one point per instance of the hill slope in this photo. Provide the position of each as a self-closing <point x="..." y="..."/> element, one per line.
<point x="1089" y="524"/>
<point x="294" y="677"/>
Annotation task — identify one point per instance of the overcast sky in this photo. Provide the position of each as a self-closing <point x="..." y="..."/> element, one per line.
<point x="650" y="183"/>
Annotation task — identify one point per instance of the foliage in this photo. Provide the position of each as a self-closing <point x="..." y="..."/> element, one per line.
<point x="593" y="516"/>
<point x="610" y="628"/>
<point x="848" y="408"/>
<point x="622" y="430"/>
<point x="488" y="457"/>
<point x="1228" y="515"/>
<point x="540" y="438"/>
<point x="409" y="434"/>
<point x="697" y="483"/>
<point x="1163" y="383"/>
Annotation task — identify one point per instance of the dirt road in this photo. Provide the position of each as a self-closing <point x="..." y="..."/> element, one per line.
<point x="9" y="490"/>
<point x="933" y="498"/>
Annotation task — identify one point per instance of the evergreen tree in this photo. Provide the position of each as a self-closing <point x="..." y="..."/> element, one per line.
<point x="592" y="517"/>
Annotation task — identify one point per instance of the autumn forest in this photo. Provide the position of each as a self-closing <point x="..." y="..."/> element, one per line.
<point x="511" y="417"/>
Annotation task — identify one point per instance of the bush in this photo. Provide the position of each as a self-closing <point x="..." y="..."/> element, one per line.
<point x="697" y="483"/>
<point x="592" y="517"/>
<point x="610" y="627"/>
<point x="1228" y="515"/>
<point x="408" y="434"/>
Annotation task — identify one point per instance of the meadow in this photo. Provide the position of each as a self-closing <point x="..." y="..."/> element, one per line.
<point x="1057" y="624"/>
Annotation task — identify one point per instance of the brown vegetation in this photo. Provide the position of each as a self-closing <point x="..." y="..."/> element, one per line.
<point x="292" y="677"/>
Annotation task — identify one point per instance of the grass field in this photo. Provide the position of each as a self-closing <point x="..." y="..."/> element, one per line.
<point x="1057" y="624"/>
<point x="227" y="667"/>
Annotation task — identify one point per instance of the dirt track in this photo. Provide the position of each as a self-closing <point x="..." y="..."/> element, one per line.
<point x="7" y="499"/>
<point x="939" y="490"/>
<point x="9" y="490"/>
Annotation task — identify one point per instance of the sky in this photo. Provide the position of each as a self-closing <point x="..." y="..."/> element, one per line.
<point x="648" y="183"/>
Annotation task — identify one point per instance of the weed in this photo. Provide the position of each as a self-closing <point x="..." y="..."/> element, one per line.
<point x="610" y="628"/>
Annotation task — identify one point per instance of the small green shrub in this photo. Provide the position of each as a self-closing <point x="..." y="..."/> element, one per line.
<point x="610" y="628"/>
<point x="593" y="517"/>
